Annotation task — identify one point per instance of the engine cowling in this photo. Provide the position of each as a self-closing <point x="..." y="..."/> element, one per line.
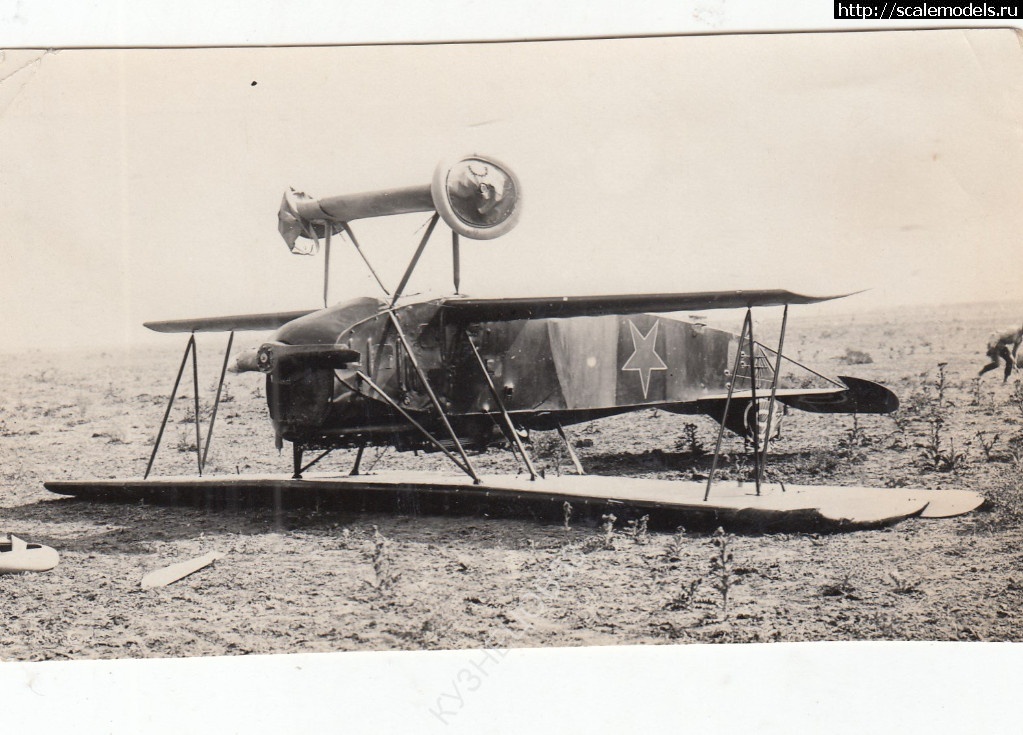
<point x="272" y="357"/>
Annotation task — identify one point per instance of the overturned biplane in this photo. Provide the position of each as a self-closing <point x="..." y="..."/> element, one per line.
<point x="459" y="374"/>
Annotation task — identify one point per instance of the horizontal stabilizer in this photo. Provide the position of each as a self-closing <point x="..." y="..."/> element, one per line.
<point x="239" y="323"/>
<point x="858" y="396"/>
<point x="555" y="307"/>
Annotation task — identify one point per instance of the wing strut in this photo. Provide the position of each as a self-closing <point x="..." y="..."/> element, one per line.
<point x="328" y="231"/>
<point x="753" y="398"/>
<point x="746" y="328"/>
<point x="801" y="365"/>
<point x="759" y="453"/>
<point x="456" y="262"/>
<point x="774" y="393"/>
<point x="504" y="411"/>
<point x="201" y="451"/>
<point x="326" y="266"/>
<point x="351" y="236"/>
<point x="571" y="452"/>
<point x="216" y="401"/>
<point x="195" y="397"/>
<point x="469" y="469"/>
<point x="415" y="259"/>
<point x="170" y="404"/>
<point x="408" y="417"/>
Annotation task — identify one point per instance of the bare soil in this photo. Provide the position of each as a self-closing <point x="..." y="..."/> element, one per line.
<point x="305" y="580"/>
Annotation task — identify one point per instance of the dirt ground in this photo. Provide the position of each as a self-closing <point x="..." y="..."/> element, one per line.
<point x="307" y="580"/>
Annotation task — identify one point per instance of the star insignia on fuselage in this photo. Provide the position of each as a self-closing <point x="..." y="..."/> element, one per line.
<point x="644" y="358"/>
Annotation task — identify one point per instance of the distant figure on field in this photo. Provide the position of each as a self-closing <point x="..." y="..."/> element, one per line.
<point x="998" y="349"/>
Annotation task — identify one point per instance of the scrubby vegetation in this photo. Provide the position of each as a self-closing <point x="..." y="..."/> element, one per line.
<point x="313" y="580"/>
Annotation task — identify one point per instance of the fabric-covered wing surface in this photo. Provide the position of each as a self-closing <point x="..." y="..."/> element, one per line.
<point x="551" y="307"/>
<point x="238" y="323"/>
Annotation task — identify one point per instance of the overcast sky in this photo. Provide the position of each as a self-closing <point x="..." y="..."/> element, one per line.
<point x="144" y="184"/>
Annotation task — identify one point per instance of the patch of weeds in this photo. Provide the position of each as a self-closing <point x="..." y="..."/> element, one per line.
<point x="636" y="529"/>
<point x="901" y="417"/>
<point x="722" y="568"/>
<point x="742" y="468"/>
<point x="603" y="540"/>
<point x="885" y="625"/>
<point x="607" y="524"/>
<point x="939" y="458"/>
<point x="204" y="413"/>
<point x="186" y="441"/>
<point x="1015" y="446"/>
<point x="426" y="635"/>
<point x="348" y="539"/>
<point x="855" y="357"/>
<point x="690" y="443"/>
<point x="722" y="577"/>
<point x="114" y="436"/>
<point x="843" y="588"/>
<point x="929" y="412"/>
<point x="1003" y="503"/>
<point x="986" y="444"/>
<point x="984" y="400"/>
<point x="675" y="550"/>
<point x="548" y="448"/>
<point x="818" y="463"/>
<point x="685" y="596"/>
<point x="1016" y="397"/>
<point x="903" y="585"/>
<point x="226" y="396"/>
<point x="897" y="481"/>
<point x="855" y="436"/>
<point x="429" y="635"/>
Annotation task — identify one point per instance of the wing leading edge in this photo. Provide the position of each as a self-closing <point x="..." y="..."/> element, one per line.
<point x="542" y="307"/>
<point x="238" y="323"/>
<point x="548" y="307"/>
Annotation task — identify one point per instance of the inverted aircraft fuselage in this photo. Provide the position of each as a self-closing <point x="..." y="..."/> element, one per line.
<point x="544" y="372"/>
<point x="459" y="372"/>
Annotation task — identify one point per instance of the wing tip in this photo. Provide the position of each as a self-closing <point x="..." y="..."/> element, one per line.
<point x="240" y="322"/>
<point x="799" y="298"/>
<point x="159" y="326"/>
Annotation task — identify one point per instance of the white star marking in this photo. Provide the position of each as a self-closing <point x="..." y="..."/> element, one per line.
<point x="644" y="358"/>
